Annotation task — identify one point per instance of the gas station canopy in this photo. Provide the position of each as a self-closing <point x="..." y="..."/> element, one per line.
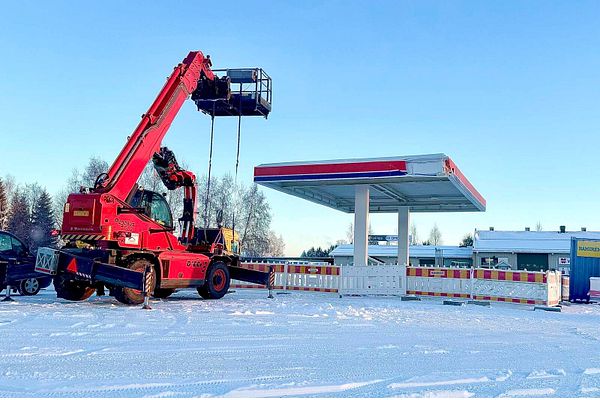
<point x="424" y="183"/>
<point x="400" y="185"/>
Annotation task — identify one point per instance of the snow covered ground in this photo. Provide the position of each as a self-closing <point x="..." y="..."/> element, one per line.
<point x="300" y="344"/>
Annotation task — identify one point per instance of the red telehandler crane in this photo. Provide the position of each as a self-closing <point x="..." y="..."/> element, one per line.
<point x="122" y="236"/>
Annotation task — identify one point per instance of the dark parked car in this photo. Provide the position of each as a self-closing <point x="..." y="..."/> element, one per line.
<point x="20" y="263"/>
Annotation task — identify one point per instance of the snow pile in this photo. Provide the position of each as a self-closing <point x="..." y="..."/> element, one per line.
<point x="300" y="344"/>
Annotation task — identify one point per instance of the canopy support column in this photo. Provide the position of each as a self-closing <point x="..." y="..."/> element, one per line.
<point x="403" y="239"/>
<point x="361" y="224"/>
<point x="403" y="246"/>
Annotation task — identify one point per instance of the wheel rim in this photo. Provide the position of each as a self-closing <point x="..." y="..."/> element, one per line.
<point x="219" y="279"/>
<point x="31" y="285"/>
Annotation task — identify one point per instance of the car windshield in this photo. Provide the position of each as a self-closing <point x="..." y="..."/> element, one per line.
<point x="5" y="243"/>
<point x="17" y="246"/>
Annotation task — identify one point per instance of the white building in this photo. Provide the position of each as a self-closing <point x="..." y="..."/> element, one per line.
<point x="526" y="249"/>
<point x="419" y="255"/>
<point x="530" y="250"/>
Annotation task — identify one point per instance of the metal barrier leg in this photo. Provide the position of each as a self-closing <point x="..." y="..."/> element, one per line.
<point x="284" y="279"/>
<point x="147" y="277"/>
<point x="7" y="297"/>
<point x="146" y="305"/>
<point x="271" y="281"/>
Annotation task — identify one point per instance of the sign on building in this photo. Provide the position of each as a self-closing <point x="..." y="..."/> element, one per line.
<point x="383" y="238"/>
<point x="564" y="261"/>
<point x="587" y="248"/>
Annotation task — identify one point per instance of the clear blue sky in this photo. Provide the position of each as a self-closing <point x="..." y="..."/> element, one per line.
<point x="508" y="89"/>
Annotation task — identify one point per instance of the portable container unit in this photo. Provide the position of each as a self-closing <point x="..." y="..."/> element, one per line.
<point x="585" y="264"/>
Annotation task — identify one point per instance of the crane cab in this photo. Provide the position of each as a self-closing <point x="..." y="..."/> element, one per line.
<point x="153" y="205"/>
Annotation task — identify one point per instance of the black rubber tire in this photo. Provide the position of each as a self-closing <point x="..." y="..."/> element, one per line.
<point x="72" y="291"/>
<point x="132" y="296"/>
<point x="217" y="281"/>
<point x="29" y="287"/>
<point x="162" y="293"/>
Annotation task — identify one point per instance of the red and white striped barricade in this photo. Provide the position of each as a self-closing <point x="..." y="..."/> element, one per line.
<point x="553" y="288"/>
<point x="311" y="278"/>
<point x="373" y="280"/>
<point x="595" y="289"/>
<point x="443" y="282"/>
<point x="565" y="282"/>
<point x="278" y="268"/>
<point x="522" y="287"/>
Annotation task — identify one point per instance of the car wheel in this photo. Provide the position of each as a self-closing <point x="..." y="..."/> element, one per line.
<point x="29" y="287"/>
<point x="68" y="290"/>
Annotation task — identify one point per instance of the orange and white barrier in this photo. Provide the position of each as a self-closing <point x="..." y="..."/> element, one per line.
<point x="595" y="289"/>
<point x="565" y="281"/>
<point x="311" y="278"/>
<point x="443" y="282"/>
<point x="262" y="267"/>
<point x="522" y="287"/>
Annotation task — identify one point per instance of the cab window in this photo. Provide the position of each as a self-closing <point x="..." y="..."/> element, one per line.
<point x="160" y="211"/>
<point x="155" y="206"/>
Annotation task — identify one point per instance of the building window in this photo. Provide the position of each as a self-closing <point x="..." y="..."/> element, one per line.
<point x="458" y="262"/>
<point x="426" y="261"/>
<point x="489" y="261"/>
<point x="532" y="261"/>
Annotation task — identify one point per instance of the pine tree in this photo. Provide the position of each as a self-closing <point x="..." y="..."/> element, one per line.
<point x="3" y="206"/>
<point x="318" y="251"/>
<point x="467" y="241"/>
<point x="19" y="219"/>
<point x="42" y="222"/>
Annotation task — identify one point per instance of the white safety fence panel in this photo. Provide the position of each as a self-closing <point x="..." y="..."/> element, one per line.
<point x="440" y="286"/>
<point x="524" y="287"/>
<point x="554" y="287"/>
<point x="373" y="280"/>
<point x="521" y="287"/>
<point x="435" y="281"/>
<point x="479" y="284"/>
<point x="510" y="289"/>
<point x="317" y="278"/>
<point x="302" y="277"/>
<point x="595" y="288"/>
